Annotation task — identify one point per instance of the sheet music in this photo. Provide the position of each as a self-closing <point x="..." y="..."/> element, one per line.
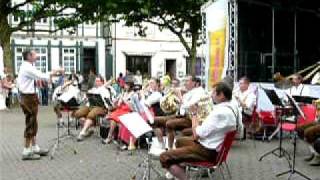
<point x="135" y="124"/>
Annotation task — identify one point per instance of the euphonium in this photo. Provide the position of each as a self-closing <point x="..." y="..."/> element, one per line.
<point x="205" y="106"/>
<point x="169" y="103"/>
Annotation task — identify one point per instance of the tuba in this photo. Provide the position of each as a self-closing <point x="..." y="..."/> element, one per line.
<point x="169" y="103"/>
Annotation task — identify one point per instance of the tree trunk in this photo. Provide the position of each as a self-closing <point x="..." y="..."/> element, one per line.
<point x="193" y="53"/>
<point x="7" y="53"/>
<point x="5" y="42"/>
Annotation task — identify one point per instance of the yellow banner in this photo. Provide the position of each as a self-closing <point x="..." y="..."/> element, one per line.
<point x="216" y="54"/>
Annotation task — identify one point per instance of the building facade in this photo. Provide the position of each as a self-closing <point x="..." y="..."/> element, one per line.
<point x="155" y="54"/>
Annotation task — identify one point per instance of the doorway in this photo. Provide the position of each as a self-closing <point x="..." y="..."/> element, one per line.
<point x="170" y="67"/>
<point x="89" y="61"/>
<point x="267" y="67"/>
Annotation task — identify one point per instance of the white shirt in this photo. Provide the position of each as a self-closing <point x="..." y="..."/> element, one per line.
<point x="300" y="90"/>
<point x="27" y="76"/>
<point x="153" y="98"/>
<point x="138" y="79"/>
<point x="190" y="98"/>
<point x="248" y="98"/>
<point x="220" y="121"/>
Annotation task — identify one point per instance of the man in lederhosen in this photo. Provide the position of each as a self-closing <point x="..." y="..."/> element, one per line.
<point x="28" y="74"/>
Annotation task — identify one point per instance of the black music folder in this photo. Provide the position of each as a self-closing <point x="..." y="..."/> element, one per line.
<point x="304" y="99"/>
<point x="296" y="109"/>
<point x="95" y="100"/>
<point x="274" y="98"/>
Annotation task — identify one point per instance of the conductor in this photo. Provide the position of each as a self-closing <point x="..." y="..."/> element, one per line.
<point x="27" y="76"/>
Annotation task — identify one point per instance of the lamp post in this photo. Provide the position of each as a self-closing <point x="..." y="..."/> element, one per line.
<point x="114" y="21"/>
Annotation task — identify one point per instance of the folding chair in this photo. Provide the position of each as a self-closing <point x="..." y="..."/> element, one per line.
<point x="219" y="161"/>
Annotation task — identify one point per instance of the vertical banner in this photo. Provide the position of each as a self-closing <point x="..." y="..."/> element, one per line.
<point x="217" y="54"/>
<point x="216" y="30"/>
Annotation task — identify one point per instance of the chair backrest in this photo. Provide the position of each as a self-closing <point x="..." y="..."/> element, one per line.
<point x="267" y="117"/>
<point x="225" y="147"/>
<point x="310" y="112"/>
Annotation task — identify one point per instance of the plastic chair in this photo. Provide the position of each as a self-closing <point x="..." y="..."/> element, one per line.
<point x="219" y="161"/>
<point x="267" y="119"/>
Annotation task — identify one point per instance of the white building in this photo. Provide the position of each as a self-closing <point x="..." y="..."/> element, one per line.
<point x="155" y="54"/>
<point x="81" y="51"/>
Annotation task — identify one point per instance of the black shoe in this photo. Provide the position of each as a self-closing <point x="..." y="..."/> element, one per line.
<point x="31" y="156"/>
<point x="60" y="124"/>
<point x="315" y="161"/>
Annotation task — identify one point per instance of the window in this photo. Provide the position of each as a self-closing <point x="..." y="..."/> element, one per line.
<point x="41" y="62"/>
<point x="42" y="59"/>
<point x="69" y="57"/>
<point x="141" y="63"/>
<point x="42" y="21"/>
<point x="199" y="66"/>
<point x="15" y="19"/>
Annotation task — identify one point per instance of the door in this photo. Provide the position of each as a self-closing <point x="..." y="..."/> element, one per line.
<point x="89" y="60"/>
<point x="170" y="67"/>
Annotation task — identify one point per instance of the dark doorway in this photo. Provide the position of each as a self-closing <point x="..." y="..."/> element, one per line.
<point x="89" y="60"/>
<point x="171" y="67"/>
<point x="141" y="63"/>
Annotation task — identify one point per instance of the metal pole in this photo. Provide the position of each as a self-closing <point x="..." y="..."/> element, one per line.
<point x="273" y="44"/>
<point x="295" y="52"/>
<point x="115" y="50"/>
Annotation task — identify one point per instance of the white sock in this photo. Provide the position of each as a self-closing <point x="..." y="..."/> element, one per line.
<point x="60" y="120"/>
<point x="82" y="132"/>
<point x="35" y="148"/>
<point x="26" y="151"/>
<point x="312" y="149"/>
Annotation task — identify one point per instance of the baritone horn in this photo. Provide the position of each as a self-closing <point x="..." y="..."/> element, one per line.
<point x="205" y="106"/>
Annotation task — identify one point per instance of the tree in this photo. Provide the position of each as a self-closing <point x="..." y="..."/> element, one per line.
<point x="183" y="18"/>
<point x="82" y="10"/>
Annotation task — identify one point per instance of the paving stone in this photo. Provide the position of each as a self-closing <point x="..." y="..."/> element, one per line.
<point x="96" y="161"/>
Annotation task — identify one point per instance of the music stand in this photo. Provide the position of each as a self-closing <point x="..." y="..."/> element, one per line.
<point x="67" y="107"/>
<point x="138" y="127"/>
<point x="297" y="112"/>
<point x="275" y="100"/>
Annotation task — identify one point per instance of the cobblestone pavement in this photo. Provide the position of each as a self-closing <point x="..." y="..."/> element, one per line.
<point x="96" y="161"/>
